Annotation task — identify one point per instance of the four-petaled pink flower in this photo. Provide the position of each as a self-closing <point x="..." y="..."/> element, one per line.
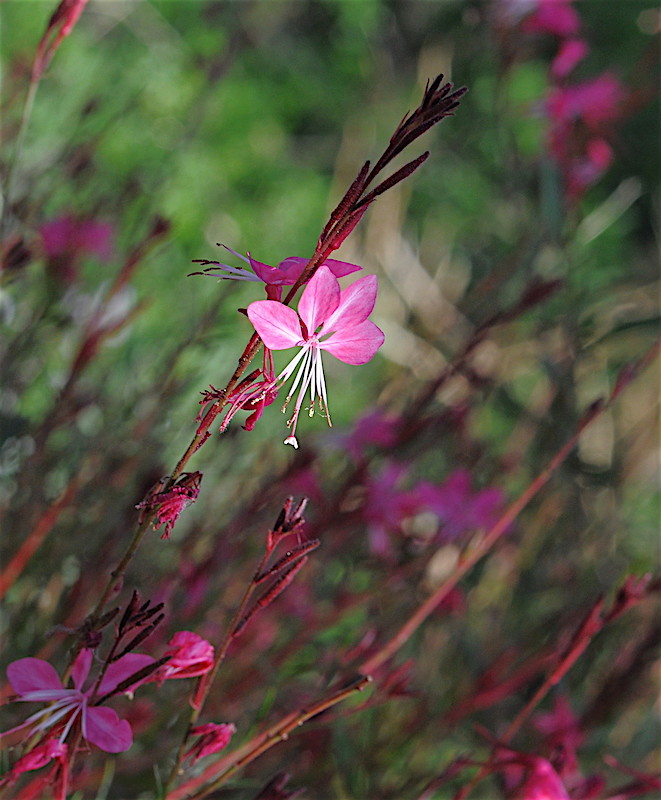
<point x="190" y="656"/>
<point x="328" y="319"/>
<point x="285" y="274"/>
<point x="212" y="738"/>
<point x="35" y="680"/>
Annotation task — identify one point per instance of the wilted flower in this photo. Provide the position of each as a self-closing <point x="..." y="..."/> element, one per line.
<point x="168" y="504"/>
<point x="324" y="311"/>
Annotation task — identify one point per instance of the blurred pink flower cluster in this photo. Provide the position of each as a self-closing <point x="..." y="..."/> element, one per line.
<point x="581" y="114"/>
<point x="453" y="506"/>
<point x="67" y="239"/>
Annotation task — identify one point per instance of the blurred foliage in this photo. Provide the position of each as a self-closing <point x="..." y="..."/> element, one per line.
<point x="243" y="123"/>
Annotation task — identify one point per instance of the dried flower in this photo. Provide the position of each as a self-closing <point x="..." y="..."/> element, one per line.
<point x="168" y="504"/>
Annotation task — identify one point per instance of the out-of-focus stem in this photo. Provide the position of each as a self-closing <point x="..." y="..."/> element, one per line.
<point x="36" y="537"/>
<point x="262" y="742"/>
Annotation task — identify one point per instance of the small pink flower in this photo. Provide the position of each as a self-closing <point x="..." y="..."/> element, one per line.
<point x="213" y="737"/>
<point x="328" y="319"/>
<point x="35" y="680"/>
<point x="285" y="274"/>
<point x="190" y="656"/>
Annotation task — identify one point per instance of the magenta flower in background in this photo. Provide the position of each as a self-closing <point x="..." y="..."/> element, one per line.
<point x="581" y="116"/>
<point x="67" y="239"/>
<point x="386" y="507"/>
<point x="285" y="274"/>
<point x="458" y="508"/>
<point x="190" y="656"/>
<point x="35" y="680"/>
<point x="328" y="319"/>
<point x="213" y="737"/>
<point x="571" y="52"/>
<point x="596" y="102"/>
<point x="374" y="429"/>
<point x="557" y="17"/>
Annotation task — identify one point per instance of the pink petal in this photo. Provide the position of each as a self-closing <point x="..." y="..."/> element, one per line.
<point x="102" y="727"/>
<point x="278" y="325"/>
<point x="319" y="299"/>
<point x="355" y="306"/>
<point x="341" y="268"/>
<point x="355" y="345"/>
<point x="32" y="675"/>
<point x="81" y="667"/>
<point x="263" y="271"/>
<point x="292" y="267"/>
<point x="121" y="670"/>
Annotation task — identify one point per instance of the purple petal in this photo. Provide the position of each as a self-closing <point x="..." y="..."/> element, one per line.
<point x="121" y="670"/>
<point x="355" y="345"/>
<point x="355" y="306"/>
<point x="33" y="674"/>
<point x="341" y="268"/>
<point x="81" y="667"/>
<point x="278" y="325"/>
<point x="319" y="299"/>
<point x="102" y="727"/>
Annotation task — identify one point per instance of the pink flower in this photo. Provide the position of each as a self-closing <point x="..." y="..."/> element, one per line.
<point x="387" y="506"/>
<point x="557" y="17"/>
<point x="190" y="655"/>
<point x="529" y="777"/>
<point x="580" y="116"/>
<point x="67" y="239"/>
<point x="571" y="52"/>
<point x="212" y="738"/>
<point x="329" y="319"/>
<point x="35" y="680"/>
<point x="562" y="732"/>
<point x="595" y="102"/>
<point x="285" y="274"/>
<point x="37" y="758"/>
<point x="374" y="429"/>
<point x="458" y="507"/>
